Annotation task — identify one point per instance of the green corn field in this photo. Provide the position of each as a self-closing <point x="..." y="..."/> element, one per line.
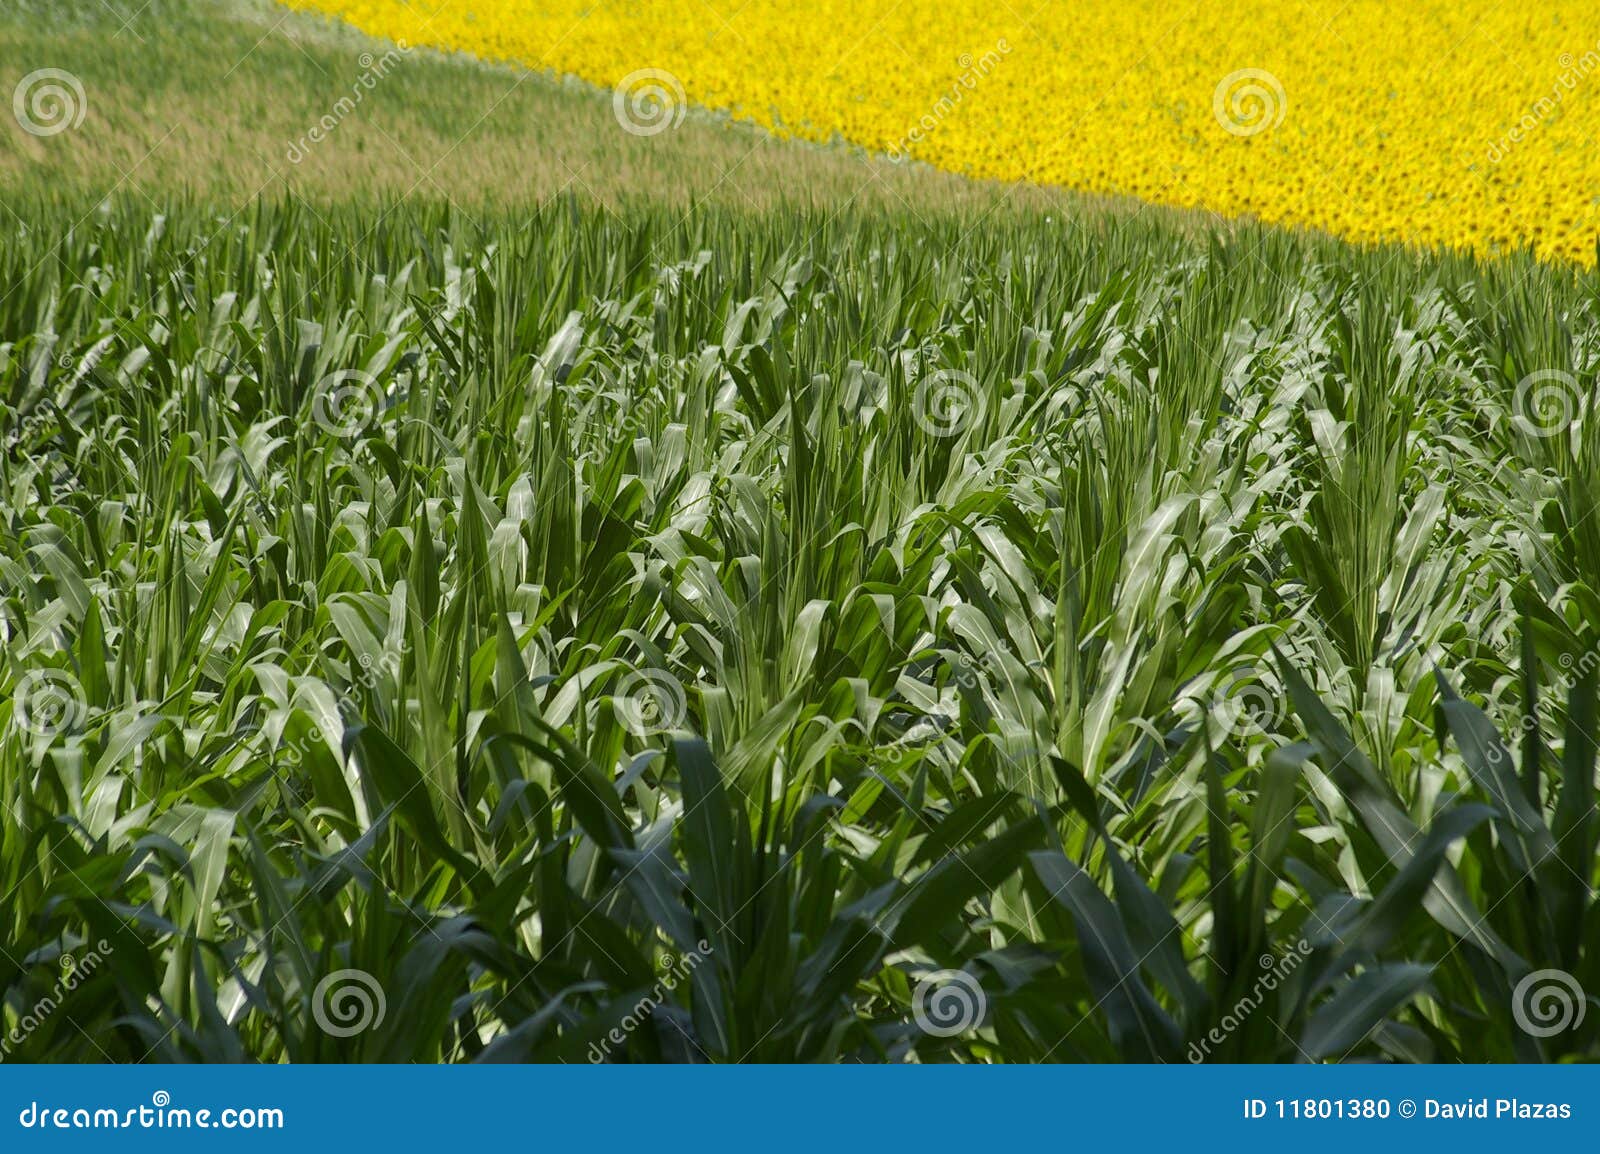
<point x="600" y="630"/>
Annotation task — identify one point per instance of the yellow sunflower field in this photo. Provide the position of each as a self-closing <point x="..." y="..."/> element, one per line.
<point x="1471" y="124"/>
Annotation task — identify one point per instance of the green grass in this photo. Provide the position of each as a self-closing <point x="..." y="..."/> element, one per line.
<point x="588" y="629"/>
